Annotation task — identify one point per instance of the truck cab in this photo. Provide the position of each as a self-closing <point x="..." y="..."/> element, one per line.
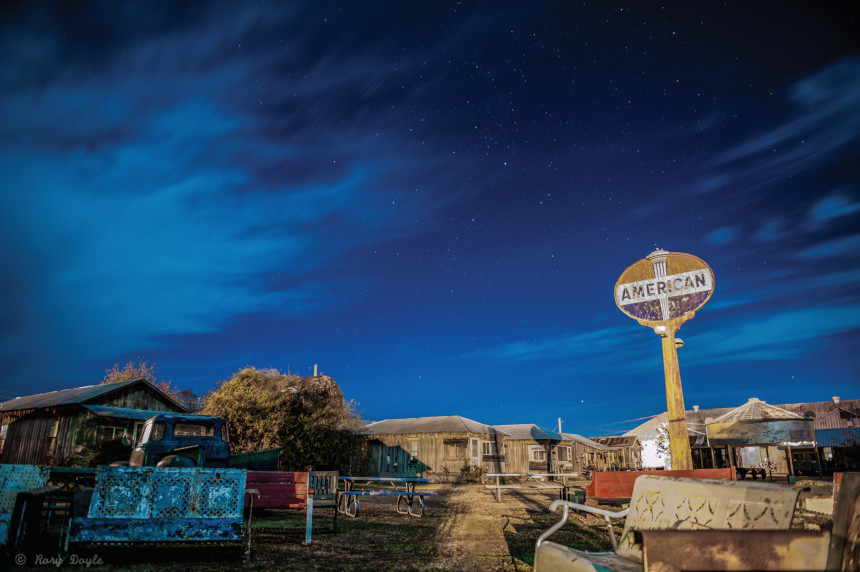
<point x="182" y="440"/>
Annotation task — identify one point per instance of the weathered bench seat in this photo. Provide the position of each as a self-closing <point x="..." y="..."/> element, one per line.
<point x="284" y="490"/>
<point x="616" y="487"/>
<point x="164" y="505"/>
<point x="659" y="502"/>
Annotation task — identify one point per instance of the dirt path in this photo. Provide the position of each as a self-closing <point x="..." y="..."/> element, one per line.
<point x="478" y="533"/>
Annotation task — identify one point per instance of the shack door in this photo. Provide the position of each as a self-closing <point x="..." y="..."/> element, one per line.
<point x="475" y="452"/>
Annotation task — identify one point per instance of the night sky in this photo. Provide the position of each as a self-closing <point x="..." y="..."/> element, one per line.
<point x="431" y="200"/>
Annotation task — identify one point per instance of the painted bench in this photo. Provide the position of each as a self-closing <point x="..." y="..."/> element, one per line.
<point x="284" y="490"/>
<point x="164" y="505"/>
<point x="616" y="487"/>
<point x="660" y="502"/>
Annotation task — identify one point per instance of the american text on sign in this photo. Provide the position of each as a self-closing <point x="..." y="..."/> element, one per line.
<point x="674" y="285"/>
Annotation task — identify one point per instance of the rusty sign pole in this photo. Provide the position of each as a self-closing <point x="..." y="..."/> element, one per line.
<point x="679" y="442"/>
<point x="662" y="292"/>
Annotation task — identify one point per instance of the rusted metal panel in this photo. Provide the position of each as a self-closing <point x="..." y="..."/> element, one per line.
<point x="676" y="550"/>
<point x="760" y="432"/>
<point x="838" y="437"/>
<point x="157" y="530"/>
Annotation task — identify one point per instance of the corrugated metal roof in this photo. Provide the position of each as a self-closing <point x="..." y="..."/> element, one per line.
<point x="617" y="440"/>
<point x="124" y="413"/>
<point x="838" y="418"/>
<point x="588" y="442"/>
<point x="756" y="410"/>
<point x="849" y="437"/>
<point x="444" y="424"/>
<point x="63" y="396"/>
<point x="528" y="432"/>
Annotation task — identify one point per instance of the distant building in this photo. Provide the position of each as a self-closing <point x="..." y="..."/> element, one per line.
<point x="629" y="451"/>
<point x="434" y="447"/>
<point x="532" y="449"/>
<point x="833" y="445"/>
<point x="63" y="428"/>
<point x="589" y="454"/>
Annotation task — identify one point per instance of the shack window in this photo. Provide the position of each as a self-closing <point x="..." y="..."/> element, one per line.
<point x="3" y="430"/>
<point x="455" y="449"/>
<point x="193" y="430"/>
<point x="52" y="437"/>
<point x="108" y="433"/>
<point x="413" y="450"/>
<point x="564" y="454"/>
<point x="537" y="453"/>
<point x="488" y="448"/>
<point x="224" y="436"/>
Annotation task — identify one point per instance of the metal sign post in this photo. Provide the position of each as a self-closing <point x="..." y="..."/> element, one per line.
<point x="662" y="292"/>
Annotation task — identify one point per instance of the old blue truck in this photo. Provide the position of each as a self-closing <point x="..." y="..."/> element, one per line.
<point x="185" y="440"/>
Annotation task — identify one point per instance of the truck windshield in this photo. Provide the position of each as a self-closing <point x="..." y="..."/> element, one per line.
<point x="152" y="432"/>
<point x="193" y="430"/>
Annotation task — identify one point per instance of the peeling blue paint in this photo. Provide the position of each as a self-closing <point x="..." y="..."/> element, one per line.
<point x="149" y="504"/>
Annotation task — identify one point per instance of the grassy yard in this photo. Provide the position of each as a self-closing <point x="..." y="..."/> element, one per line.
<point x="464" y="528"/>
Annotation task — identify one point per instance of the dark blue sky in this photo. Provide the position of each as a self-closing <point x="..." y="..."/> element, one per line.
<point x="431" y="200"/>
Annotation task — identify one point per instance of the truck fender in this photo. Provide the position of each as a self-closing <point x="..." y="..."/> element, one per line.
<point x="175" y="461"/>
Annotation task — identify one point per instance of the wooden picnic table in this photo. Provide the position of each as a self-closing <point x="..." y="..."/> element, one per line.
<point x="533" y="481"/>
<point x="406" y="495"/>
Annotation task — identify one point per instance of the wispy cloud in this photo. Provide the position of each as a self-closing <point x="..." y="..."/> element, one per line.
<point x="783" y="335"/>
<point x="830" y="207"/>
<point x="849" y="245"/>
<point x="722" y="236"/>
<point x="825" y="124"/>
<point x="160" y="213"/>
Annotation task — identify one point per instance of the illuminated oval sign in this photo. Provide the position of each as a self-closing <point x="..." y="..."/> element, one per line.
<point x="664" y="286"/>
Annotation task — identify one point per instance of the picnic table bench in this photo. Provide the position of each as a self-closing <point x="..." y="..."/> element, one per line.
<point x="659" y="503"/>
<point x="348" y="497"/>
<point x="153" y="505"/>
<point x="535" y="481"/>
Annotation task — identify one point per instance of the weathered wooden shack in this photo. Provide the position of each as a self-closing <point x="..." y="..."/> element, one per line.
<point x="434" y="447"/>
<point x="628" y="451"/>
<point x="587" y="454"/>
<point x="529" y="448"/>
<point x="64" y="427"/>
